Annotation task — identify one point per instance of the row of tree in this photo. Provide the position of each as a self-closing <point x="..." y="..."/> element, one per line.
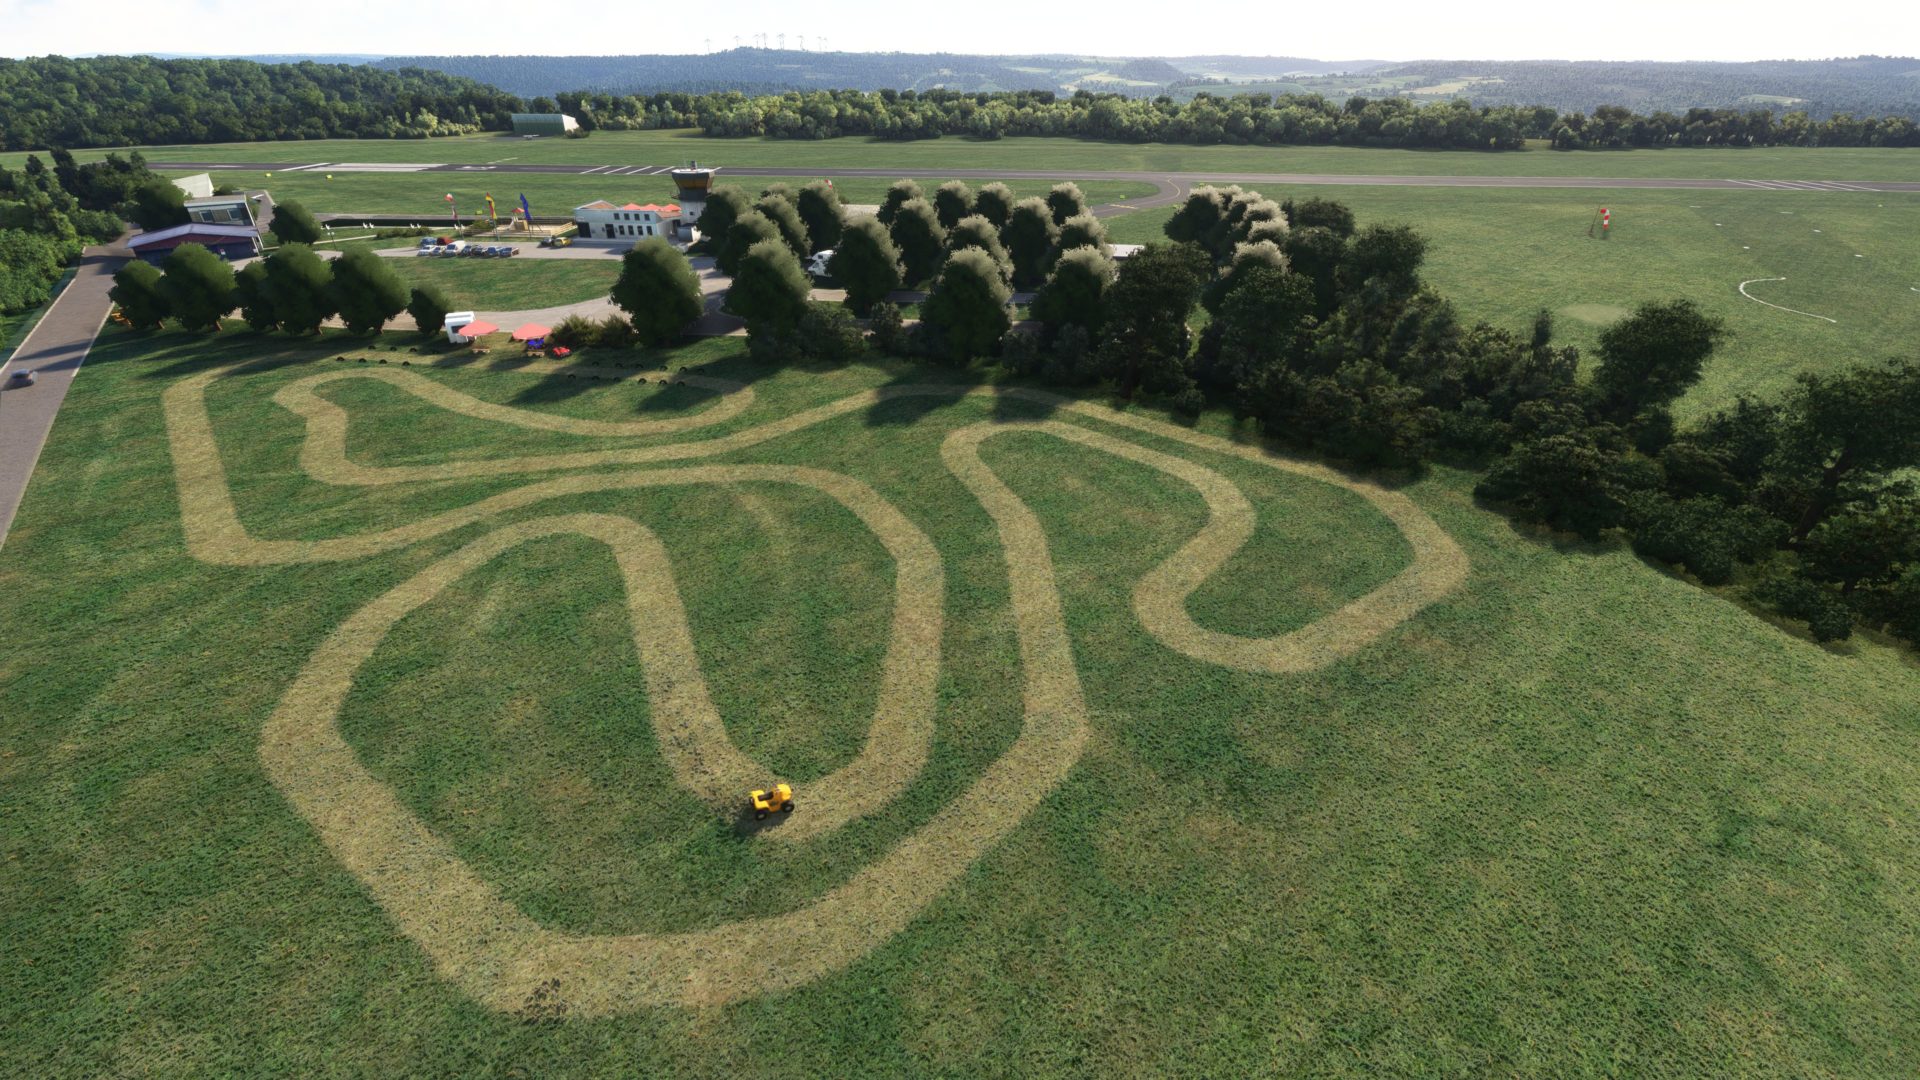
<point x="1255" y="119"/>
<point x="51" y="101"/>
<point x="1324" y="334"/>
<point x="121" y="101"/>
<point x="293" y="289"/>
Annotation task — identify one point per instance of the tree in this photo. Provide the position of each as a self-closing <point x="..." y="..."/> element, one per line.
<point x="1083" y="230"/>
<point x="977" y="232"/>
<point x="819" y="206"/>
<point x="1028" y="237"/>
<point x="1075" y="293"/>
<point x="952" y="201"/>
<point x="769" y="290"/>
<point x="899" y="194"/>
<point x="254" y="299"/>
<point x="1145" y="339"/>
<point x="298" y="287"/>
<point x="295" y="224"/>
<point x="1064" y="200"/>
<point x="1388" y="254"/>
<point x="366" y="292"/>
<point x="1202" y="220"/>
<point x="1316" y="253"/>
<point x="787" y="219"/>
<point x="428" y="305"/>
<point x="1568" y="482"/>
<point x="157" y="204"/>
<point x="1319" y="214"/>
<point x="1650" y="358"/>
<point x="1864" y="546"/>
<point x="29" y="266"/>
<point x="197" y="286"/>
<point x="1246" y="257"/>
<point x="968" y="308"/>
<point x="726" y="204"/>
<point x="749" y="230"/>
<point x="1263" y="321"/>
<point x="1841" y="433"/>
<point x="136" y="288"/>
<point x="866" y="264"/>
<point x="995" y="203"/>
<point x="658" y="290"/>
<point x="917" y="234"/>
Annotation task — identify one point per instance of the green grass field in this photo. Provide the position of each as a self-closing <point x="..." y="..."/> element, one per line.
<point x="478" y="284"/>
<point x="1502" y="255"/>
<point x="556" y="195"/>
<point x="1069" y="155"/>
<point x="1568" y="815"/>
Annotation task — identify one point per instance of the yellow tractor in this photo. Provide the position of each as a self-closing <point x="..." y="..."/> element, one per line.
<point x="779" y="799"/>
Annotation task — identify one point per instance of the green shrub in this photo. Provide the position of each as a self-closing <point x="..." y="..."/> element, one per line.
<point x="573" y="332"/>
<point x="830" y="332"/>
<point x="615" y="332"/>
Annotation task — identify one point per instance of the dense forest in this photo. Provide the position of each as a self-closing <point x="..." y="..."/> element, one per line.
<point x="137" y="100"/>
<point x="1258" y="119"/>
<point x="120" y="101"/>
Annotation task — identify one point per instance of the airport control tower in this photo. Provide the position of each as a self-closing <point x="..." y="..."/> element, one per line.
<point x="693" y="180"/>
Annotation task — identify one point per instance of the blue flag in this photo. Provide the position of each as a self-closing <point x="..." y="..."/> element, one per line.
<point x="525" y="209"/>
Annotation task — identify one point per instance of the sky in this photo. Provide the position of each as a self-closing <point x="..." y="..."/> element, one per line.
<point x="1382" y="29"/>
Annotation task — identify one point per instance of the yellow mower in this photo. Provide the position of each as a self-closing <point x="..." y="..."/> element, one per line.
<point x="766" y="802"/>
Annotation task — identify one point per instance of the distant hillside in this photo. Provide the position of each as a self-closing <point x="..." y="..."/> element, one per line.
<point x="1269" y="67"/>
<point x="750" y="70"/>
<point x="1862" y="85"/>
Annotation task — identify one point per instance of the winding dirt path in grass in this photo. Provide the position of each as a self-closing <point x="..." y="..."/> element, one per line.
<point x="490" y="948"/>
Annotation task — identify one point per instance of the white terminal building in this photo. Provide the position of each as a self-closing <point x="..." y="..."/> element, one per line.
<point x="602" y="220"/>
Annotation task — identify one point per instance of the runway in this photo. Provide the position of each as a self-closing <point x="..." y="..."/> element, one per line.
<point x="1169" y="187"/>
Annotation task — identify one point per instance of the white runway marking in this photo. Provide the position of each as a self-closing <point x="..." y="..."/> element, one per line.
<point x="1757" y="300"/>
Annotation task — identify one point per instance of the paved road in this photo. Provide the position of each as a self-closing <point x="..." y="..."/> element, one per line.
<point x="55" y="350"/>
<point x="1170" y="185"/>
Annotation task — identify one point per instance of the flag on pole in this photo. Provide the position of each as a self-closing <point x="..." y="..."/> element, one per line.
<point x="491" y="214"/>
<point x="525" y="209"/>
<point x="452" y="208"/>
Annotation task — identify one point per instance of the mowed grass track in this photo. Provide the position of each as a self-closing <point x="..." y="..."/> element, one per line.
<point x="555" y="195"/>
<point x="1054" y="154"/>
<point x="1578" y="817"/>
<point x="1503" y="255"/>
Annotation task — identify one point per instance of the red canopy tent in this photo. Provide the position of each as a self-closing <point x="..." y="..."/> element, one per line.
<point x="475" y="329"/>
<point x="532" y="332"/>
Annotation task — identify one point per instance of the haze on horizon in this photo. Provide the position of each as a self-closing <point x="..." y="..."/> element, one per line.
<point x="1397" y="30"/>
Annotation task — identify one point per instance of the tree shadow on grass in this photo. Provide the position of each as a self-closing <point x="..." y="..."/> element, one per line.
<point x="909" y="409"/>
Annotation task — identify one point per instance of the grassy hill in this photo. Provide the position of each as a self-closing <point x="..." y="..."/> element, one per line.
<point x="1570" y="816"/>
